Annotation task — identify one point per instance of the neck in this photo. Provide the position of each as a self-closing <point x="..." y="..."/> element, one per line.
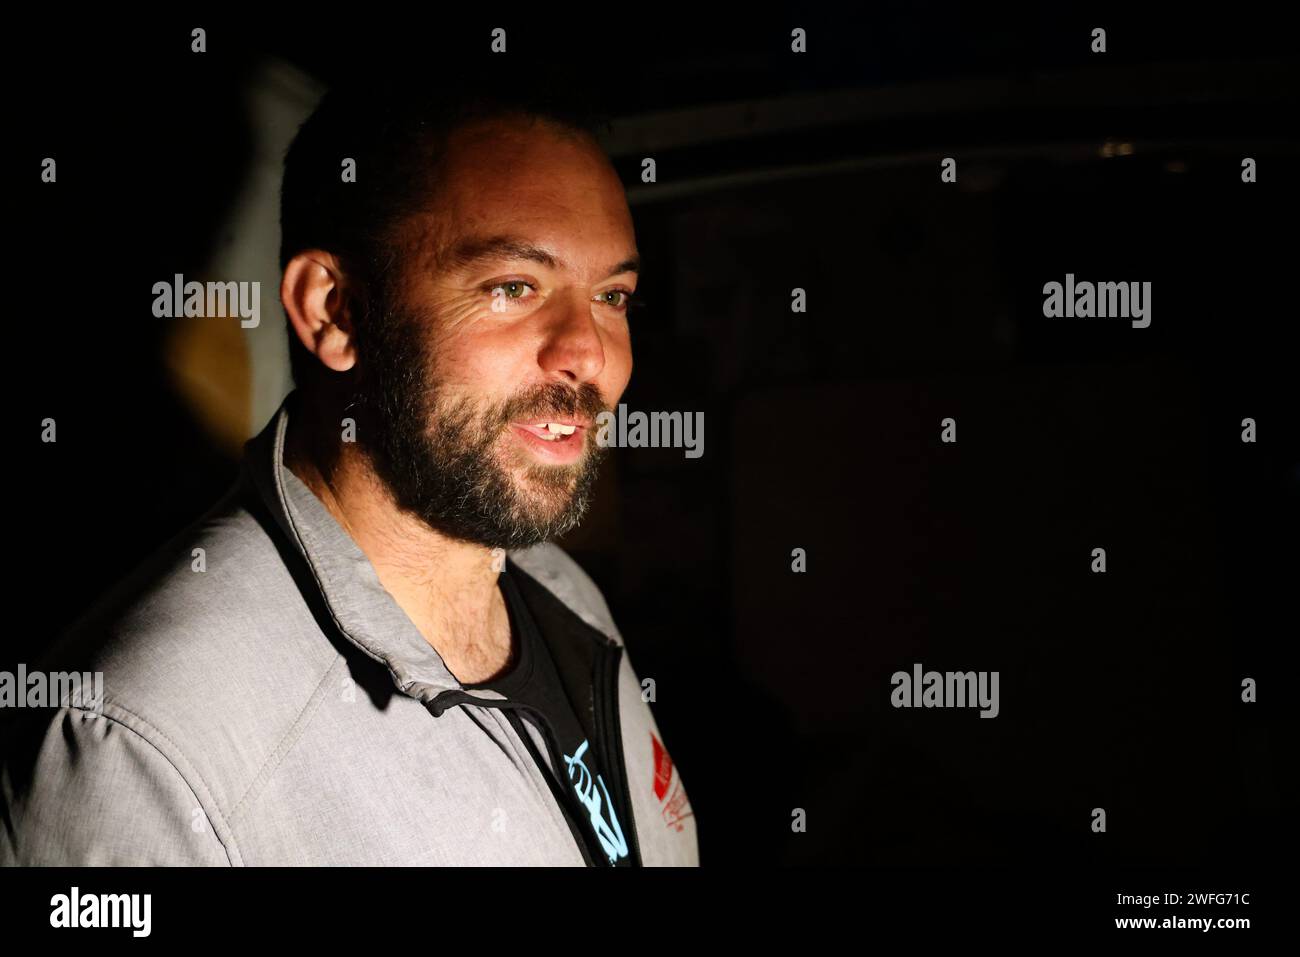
<point x="448" y="588"/>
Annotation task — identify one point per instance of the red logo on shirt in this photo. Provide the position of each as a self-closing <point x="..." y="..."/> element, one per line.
<point x="677" y="808"/>
<point x="663" y="767"/>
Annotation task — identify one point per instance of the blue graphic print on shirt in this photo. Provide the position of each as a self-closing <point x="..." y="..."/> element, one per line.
<point x="609" y="832"/>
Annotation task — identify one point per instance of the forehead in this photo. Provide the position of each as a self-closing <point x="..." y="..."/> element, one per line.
<point x="522" y="177"/>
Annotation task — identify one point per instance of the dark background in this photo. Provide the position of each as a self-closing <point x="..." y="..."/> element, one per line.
<point x="822" y="429"/>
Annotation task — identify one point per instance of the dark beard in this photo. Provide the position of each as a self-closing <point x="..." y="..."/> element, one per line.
<point x="437" y="457"/>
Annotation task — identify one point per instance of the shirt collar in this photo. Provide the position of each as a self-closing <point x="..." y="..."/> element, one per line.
<point x="359" y="605"/>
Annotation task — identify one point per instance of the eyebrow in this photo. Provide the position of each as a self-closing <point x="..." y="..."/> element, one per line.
<point x="478" y="250"/>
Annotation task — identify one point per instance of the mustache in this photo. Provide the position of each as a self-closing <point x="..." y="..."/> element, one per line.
<point x="555" y="399"/>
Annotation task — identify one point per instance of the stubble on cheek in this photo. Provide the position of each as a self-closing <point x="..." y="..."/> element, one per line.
<point x="489" y="431"/>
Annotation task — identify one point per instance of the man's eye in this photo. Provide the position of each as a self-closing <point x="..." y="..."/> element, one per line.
<point x="623" y="300"/>
<point x="504" y="293"/>
<point x="512" y="289"/>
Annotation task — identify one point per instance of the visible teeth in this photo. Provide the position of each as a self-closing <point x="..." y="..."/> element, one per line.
<point x="556" y="429"/>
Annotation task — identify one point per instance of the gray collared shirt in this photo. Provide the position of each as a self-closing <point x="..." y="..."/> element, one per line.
<point x="267" y="702"/>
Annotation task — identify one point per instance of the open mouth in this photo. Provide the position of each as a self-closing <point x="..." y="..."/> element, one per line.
<point x="551" y="431"/>
<point x="551" y="440"/>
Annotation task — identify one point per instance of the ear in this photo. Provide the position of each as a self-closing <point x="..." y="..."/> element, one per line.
<point x="314" y="295"/>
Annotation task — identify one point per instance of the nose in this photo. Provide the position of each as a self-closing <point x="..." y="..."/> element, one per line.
<point x="573" y="350"/>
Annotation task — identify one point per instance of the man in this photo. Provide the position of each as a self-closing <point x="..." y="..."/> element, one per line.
<point x="369" y="652"/>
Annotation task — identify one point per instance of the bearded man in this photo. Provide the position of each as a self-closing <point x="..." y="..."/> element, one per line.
<point x="370" y="651"/>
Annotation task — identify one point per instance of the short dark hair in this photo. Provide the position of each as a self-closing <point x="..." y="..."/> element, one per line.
<point x="394" y="127"/>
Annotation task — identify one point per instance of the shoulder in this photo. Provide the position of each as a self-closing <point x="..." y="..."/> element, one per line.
<point x="208" y="650"/>
<point x="102" y="788"/>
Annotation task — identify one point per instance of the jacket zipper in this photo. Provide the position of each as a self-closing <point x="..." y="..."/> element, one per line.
<point x="614" y="759"/>
<point x="568" y="802"/>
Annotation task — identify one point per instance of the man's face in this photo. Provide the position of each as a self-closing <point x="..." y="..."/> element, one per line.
<point x="481" y="373"/>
